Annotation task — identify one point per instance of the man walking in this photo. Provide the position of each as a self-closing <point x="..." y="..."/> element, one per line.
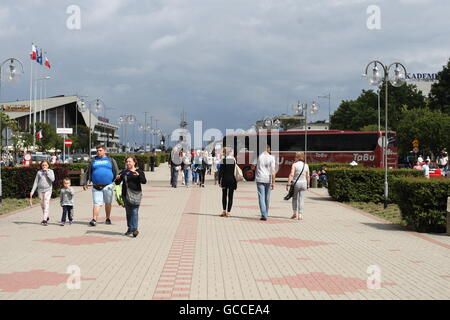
<point x="175" y="166"/>
<point x="265" y="180"/>
<point x="102" y="171"/>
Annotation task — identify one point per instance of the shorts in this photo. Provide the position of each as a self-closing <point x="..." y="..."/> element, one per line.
<point x="103" y="196"/>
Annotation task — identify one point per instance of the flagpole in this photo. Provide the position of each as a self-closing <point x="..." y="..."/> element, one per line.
<point x="31" y="91"/>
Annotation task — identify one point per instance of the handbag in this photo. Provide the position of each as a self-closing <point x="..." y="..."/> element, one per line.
<point x="238" y="173"/>
<point x="291" y="189"/>
<point x="133" y="197"/>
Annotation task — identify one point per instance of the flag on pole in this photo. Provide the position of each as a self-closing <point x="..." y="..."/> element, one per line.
<point x="39" y="58"/>
<point x="47" y="63"/>
<point x="39" y="135"/>
<point x="33" y="54"/>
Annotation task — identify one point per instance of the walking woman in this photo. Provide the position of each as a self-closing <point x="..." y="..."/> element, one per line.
<point x="201" y="169"/>
<point x="44" y="185"/>
<point x="300" y="176"/>
<point x="132" y="178"/>
<point x="227" y="181"/>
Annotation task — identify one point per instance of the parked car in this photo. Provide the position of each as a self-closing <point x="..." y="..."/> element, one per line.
<point x="80" y="157"/>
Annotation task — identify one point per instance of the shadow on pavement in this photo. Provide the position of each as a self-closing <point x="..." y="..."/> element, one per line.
<point x="321" y="198"/>
<point x="107" y="233"/>
<point x="256" y="217"/>
<point x="387" y="227"/>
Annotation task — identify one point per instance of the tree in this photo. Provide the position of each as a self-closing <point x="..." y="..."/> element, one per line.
<point x="356" y="114"/>
<point x="440" y="92"/>
<point x="50" y="140"/>
<point x="80" y="141"/>
<point x="430" y="127"/>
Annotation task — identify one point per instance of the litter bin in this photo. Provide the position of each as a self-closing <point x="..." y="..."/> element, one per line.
<point x="145" y="166"/>
<point x="314" y="183"/>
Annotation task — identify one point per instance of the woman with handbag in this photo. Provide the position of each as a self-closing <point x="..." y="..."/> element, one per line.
<point x="300" y="174"/>
<point x="132" y="179"/>
<point x="227" y="181"/>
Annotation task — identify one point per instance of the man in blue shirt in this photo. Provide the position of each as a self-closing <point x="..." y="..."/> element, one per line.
<point x="102" y="171"/>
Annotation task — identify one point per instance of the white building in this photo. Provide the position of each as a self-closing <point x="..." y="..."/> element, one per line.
<point x="62" y="112"/>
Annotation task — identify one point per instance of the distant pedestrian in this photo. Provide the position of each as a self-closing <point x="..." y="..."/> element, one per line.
<point x="265" y="180"/>
<point x="426" y="169"/>
<point x="132" y="178"/>
<point x="44" y="185"/>
<point x="175" y="166"/>
<point x="227" y="181"/>
<point x="200" y="166"/>
<point x="187" y="168"/>
<point x="102" y="171"/>
<point x="216" y="166"/>
<point x="417" y="166"/>
<point x="66" y="201"/>
<point x="300" y="176"/>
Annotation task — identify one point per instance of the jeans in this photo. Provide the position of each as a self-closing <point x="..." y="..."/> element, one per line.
<point x="201" y="173"/>
<point x="186" y="176"/>
<point x="173" y="176"/>
<point x="263" y="198"/>
<point x="132" y="216"/>
<point x="194" y="176"/>
<point x="67" y="211"/>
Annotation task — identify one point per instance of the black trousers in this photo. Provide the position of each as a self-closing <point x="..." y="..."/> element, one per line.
<point x="230" y="193"/>
<point x="201" y="175"/>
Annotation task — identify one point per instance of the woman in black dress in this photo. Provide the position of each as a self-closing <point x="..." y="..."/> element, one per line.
<point x="227" y="181"/>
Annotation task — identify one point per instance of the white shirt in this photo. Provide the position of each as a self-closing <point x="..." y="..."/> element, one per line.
<point x="265" y="167"/>
<point x="298" y="169"/>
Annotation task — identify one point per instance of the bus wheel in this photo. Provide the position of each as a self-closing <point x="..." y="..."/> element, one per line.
<point x="249" y="174"/>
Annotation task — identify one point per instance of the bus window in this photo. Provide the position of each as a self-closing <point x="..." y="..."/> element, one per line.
<point x="292" y="142"/>
<point x="348" y="142"/>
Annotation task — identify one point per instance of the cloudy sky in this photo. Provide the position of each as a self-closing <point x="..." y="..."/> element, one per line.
<point x="227" y="63"/>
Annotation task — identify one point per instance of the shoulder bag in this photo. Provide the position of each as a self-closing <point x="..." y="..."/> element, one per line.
<point x="132" y="197"/>
<point x="291" y="189"/>
<point x="238" y="173"/>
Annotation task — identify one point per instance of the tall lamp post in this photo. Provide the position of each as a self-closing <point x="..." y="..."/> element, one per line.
<point x="12" y="75"/>
<point x="94" y="106"/>
<point x="127" y="119"/>
<point x="327" y="96"/>
<point x="304" y="108"/>
<point x="376" y="78"/>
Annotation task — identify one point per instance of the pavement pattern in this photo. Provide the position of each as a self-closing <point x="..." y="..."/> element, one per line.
<point x="185" y="250"/>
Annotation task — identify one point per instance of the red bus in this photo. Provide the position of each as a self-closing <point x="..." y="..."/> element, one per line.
<point x="339" y="146"/>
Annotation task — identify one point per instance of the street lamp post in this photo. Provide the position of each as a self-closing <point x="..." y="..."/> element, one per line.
<point x="397" y="80"/>
<point x="13" y="75"/>
<point x="327" y="96"/>
<point x="303" y="108"/>
<point x="93" y="106"/>
<point x="127" y="119"/>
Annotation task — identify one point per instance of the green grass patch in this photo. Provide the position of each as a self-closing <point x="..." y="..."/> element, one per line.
<point x="391" y="213"/>
<point x="10" y="205"/>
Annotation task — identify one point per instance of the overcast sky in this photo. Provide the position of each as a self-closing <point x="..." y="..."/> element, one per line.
<point x="228" y="62"/>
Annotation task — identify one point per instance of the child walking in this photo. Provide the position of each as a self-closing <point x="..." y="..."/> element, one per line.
<point x="44" y="184"/>
<point x="66" y="200"/>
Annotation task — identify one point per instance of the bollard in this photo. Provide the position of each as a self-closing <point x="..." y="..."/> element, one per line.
<point x="448" y="216"/>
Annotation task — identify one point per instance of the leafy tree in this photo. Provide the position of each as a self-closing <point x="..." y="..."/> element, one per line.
<point x="80" y="142"/>
<point x="430" y="127"/>
<point x="356" y="114"/>
<point x="50" y="140"/>
<point x="371" y="127"/>
<point x="440" y="92"/>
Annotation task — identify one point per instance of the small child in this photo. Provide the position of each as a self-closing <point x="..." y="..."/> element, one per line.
<point x="66" y="200"/>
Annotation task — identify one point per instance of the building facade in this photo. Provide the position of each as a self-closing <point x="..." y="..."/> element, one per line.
<point x="62" y="112"/>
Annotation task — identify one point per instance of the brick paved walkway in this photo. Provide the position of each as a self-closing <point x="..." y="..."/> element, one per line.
<point x="186" y="251"/>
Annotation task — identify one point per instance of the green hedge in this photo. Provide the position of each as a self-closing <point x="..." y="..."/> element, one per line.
<point x="362" y="185"/>
<point x="330" y="165"/>
<point x="17" y="182"/>
<point x="423" y="202"/>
